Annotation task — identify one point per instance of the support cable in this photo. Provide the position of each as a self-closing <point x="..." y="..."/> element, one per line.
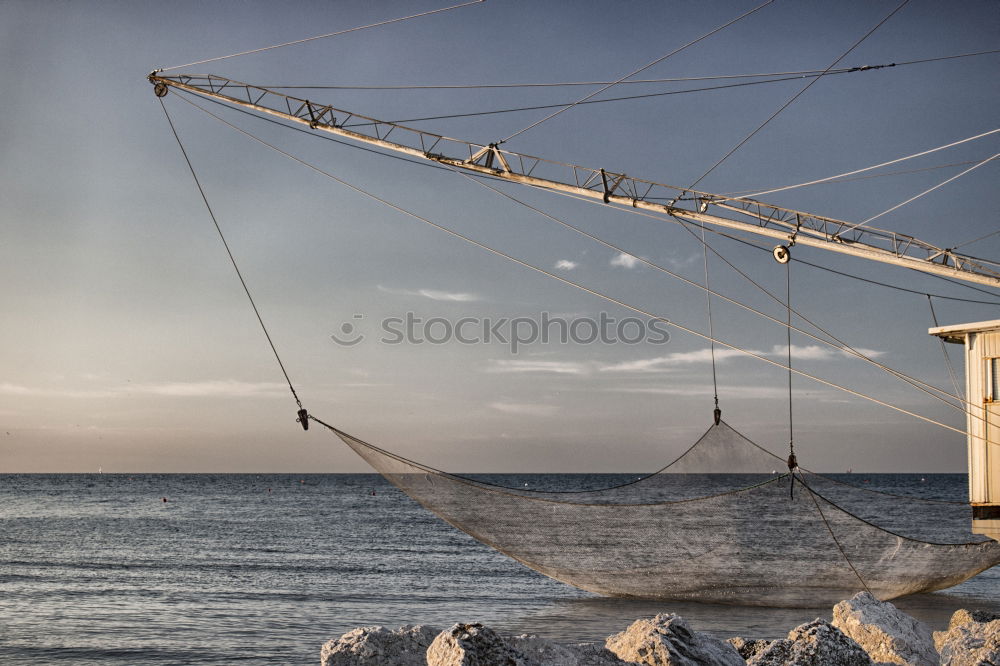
<point x="834" y="341"/>
<point x="915" y="197"/>
<point x="329" y="34"/>
<point x="872" y="168"/>
<point x="680" y="79"/>
<point x="833" y="535"/>
<point x="610" y="299"/>
<point x="232" y="259"/>
<point x="944" y="350"/>
<point x="606" y="100"/>
<point x="737" y="194"/>
<point x="976" y="240"/>
<point x="792" y="462"/>
<point x="711" y="326"/>
<point x="643" y="68"/>
<point x="797" y="95"/>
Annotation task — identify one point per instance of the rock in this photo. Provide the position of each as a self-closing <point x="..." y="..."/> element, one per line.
<point x="970" y="641"/>
<point x="544" y="652"/>
<point x="816" y="643"/>
<point x="884" y="632"/>
<point x="962" y="616"/>
<point x="748" y="648"/>
<point x="473" y="645"/>
<point x="378" y="646"/>
<point x="667" y="640"/>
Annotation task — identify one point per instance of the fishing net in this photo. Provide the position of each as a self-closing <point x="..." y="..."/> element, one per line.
<point x="725" y="522"/>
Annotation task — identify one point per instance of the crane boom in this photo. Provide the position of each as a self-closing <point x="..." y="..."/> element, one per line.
<point x="743" y="214"/>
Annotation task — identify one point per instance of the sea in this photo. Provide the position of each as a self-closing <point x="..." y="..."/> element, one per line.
<point x="265" y="568"/>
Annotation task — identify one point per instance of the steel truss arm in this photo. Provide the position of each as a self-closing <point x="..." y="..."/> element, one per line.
<point x="748" y="215"/>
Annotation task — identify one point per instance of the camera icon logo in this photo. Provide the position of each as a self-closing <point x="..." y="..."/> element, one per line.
<point x="349" y="335"/>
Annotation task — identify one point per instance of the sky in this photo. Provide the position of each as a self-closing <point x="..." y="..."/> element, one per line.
<point x="127" y="343"/>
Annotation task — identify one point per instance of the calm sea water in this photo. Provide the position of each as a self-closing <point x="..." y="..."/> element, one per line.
<point x="98" y="569"/>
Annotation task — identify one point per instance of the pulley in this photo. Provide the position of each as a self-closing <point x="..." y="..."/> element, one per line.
<point x="781" y="254"/>
<point x="303" y="419"/>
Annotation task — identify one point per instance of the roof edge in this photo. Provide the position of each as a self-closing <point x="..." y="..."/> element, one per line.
<point x="958" y="332"/>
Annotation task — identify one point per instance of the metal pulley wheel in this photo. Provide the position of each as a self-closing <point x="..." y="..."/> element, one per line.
<point x="781" y="254"/>
<point x="160" y="89"/>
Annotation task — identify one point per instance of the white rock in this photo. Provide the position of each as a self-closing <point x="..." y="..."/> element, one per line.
<point x="816" y="643"/>
<point x="473" y="645"/>
<point x="884" y="632"/>
<point x="667" y="640"/>
<point x="969" y="641"/>
<point x="378" y="646"/>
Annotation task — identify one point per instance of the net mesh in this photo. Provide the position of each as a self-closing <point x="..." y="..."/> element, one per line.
<point x="756" y="534"/>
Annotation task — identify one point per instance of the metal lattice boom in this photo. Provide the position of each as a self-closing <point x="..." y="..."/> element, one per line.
<point x="786" y="225"/>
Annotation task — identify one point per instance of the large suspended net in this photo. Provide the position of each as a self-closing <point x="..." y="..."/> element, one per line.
<point x="725" y="522"/>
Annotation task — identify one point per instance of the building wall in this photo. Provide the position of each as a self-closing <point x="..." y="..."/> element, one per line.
<point x="984" y="418"/>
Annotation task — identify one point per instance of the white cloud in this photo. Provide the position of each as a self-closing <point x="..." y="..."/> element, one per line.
<point x="524" y="409"/>
<point x="683" y="262"/>
<point x="818" y="352"/>
<point x="664" y="363"/>
<point x="778" y="352"/>
<point x="566" y="265"/>
<point x="433" y="294"/>
<point x="229" y="388"/>
<point x="680" y="389"/>
<point x="551" y="367"/>
<point x="625" y="260"/>
<point x="870" y="353"/>
<point x="807" y="353"/>
<point x="729" y="392"/>
<point x="17" y="389"/>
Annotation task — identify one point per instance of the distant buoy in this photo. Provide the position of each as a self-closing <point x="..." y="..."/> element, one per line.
<point x="164" y="499"/>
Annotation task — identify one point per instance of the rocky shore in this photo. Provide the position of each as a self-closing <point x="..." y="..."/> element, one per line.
<point x="864" y="631"/>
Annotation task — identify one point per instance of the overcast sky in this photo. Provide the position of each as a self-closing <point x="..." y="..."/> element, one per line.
<point x="127" y="343"/>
